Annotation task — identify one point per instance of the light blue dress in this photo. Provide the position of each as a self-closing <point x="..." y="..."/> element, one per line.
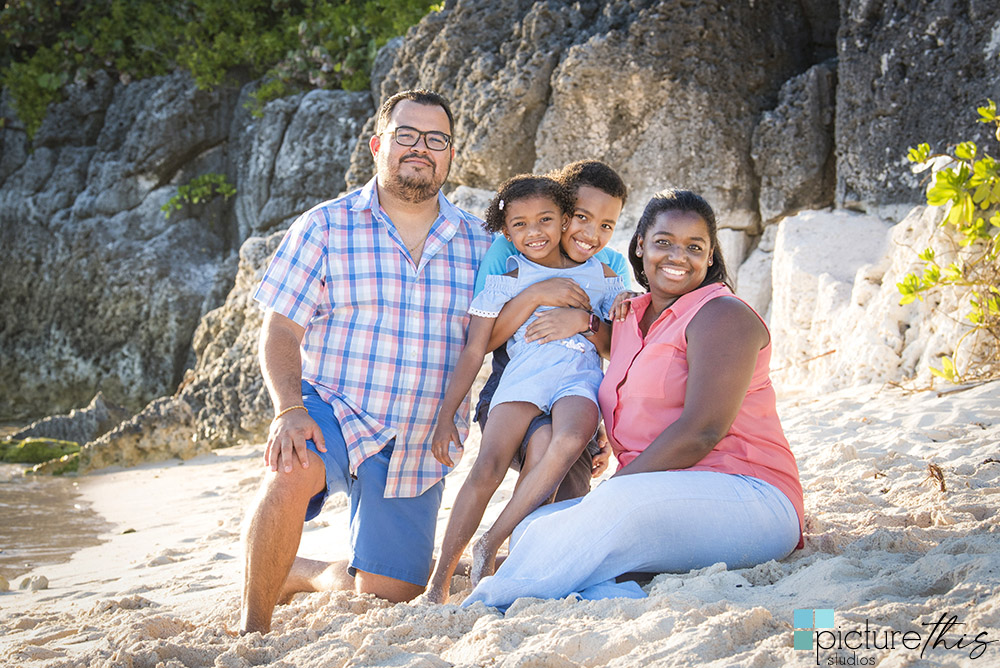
<point x="543" y="373"/>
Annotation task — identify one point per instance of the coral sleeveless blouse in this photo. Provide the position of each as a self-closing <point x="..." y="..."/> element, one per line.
<point x="643" y="393"/>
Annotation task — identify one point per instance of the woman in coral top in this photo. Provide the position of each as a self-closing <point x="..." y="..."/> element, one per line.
<point x="705" y="473"/>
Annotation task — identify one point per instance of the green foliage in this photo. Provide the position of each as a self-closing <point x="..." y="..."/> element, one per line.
<point x="199" y="189"/>
<point x="300" y="44"/>
<point x="970" y="185"/>
<point x="35" y="450"/>
<point x="335" y="45"/>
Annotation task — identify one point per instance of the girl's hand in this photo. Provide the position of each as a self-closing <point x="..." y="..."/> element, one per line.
<point x="620" y="307"/>
<point x="602" y="459"/>
<point x="556" y="324"/>
<point x="446" y="437"/>
<point x="560" y="293"/>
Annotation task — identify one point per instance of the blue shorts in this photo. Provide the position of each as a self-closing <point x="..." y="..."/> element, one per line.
<point x="391" y="537"/>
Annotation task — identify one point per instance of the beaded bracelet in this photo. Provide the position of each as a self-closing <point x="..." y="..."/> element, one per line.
<point x="289" y="410"/>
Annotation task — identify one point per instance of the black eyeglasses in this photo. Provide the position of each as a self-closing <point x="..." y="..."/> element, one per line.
<point x="407" y="136"/>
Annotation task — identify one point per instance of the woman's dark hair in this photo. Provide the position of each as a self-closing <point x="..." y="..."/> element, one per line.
<point x="592" y="173"/>
<point x="678" y="200"/>
<point x="522" y="187"/>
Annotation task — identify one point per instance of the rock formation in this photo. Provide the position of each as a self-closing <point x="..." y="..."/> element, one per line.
<point x="768" y="108"/>
<point x="80" y="425"/>
<point x="101" y="290"/>
<point x="908" y="73"/>
<point x="836" y="319"/>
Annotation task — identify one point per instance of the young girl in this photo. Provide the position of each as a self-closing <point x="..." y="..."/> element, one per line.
<point x="560" y="376"/>
<point x="600" y="195"/>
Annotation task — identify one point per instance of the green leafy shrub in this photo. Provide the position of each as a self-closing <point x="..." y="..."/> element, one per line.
<point x="197" y="190"/>
<point x="970" y="184"/>
<point x="301" y="44"/>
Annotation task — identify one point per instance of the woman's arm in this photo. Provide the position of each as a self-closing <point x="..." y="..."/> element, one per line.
<point x="459" y="384"/>
<point x="724" y="339"/>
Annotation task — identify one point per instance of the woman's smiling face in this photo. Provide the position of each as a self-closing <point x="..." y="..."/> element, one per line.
<point x="676" y="253"/>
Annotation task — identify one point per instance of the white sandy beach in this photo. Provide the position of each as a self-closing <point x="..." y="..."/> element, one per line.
<point x="884" y="545"/>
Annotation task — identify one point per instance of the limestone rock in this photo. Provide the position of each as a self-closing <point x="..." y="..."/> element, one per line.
<point x="101" y="291"/>
<point x="473" y="200"/>
<point x="836" y="318"/>
<point x="162" y="430"/>
<point x="79" y="425"/>
<point x="221" y="400"/>
<point x="793" y="146"/>
<point x="4" y="584"/>
<point x="753" y="277"/>
<point x="908" y="73"/>
<point x="34" y="583"/>
<point x="637" y="84"/>
<point x="492" y="60"/>
<point x="384" y="60"/>
<point x="657" y="99"/>
<point x="225" y="389"/>
<point x="300" y="151"/>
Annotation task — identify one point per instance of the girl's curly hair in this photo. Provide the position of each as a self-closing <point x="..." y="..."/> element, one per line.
<point x="523" y="186"/>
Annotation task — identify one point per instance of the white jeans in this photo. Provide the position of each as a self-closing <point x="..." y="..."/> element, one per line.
<point x="661" y="522"/>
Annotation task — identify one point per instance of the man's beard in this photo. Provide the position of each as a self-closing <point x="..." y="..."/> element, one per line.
<point x="414" y="188"/>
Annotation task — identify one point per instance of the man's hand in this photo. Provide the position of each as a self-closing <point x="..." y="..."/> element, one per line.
<point x="556" y="324"/>
<point x="603" y="458"/>
<point x="287" y="438"/>
<point x="445" y="440"/>
<point x="620" y="307"/>
<point x="559" y="292"/>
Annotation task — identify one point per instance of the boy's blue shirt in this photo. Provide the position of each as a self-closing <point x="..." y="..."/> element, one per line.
<point x="495" y="262"/>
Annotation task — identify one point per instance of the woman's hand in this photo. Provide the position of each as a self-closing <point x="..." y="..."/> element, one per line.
<point x="556" y="324"/>
<point x="602" y="459"/>
<point x="287" y="438"/>
<point x="620" y="307"/>
<point x="560" y="293"/>
<point x="445" y="439"/>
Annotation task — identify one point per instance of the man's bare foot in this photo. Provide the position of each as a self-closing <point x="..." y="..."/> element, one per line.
<point x="309" y="575"/>
<point x="484" y="557"/>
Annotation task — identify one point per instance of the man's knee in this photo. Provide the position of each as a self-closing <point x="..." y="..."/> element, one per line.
<point x="391" y="589"/>
<point x="296" y="486"/>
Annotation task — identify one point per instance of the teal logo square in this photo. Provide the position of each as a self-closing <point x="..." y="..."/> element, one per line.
<point x="803" y="619"/>
<point x="808" y="618"/>
<point x="824" y="618"/>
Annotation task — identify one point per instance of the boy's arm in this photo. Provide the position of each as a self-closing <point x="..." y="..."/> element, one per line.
<point x="459" y="384"/>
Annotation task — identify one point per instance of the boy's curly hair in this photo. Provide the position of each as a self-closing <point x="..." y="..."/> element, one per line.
<point x="592" y="173"/>
<point x="523" y="186"/>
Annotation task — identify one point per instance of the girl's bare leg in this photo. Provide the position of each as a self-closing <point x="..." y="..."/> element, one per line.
<point x="504" y="432"/>
<point x="574" y="420"/>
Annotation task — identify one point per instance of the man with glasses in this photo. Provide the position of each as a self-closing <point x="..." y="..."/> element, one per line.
<point x="366" y="308"/>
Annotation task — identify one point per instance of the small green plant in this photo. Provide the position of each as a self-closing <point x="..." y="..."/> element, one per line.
<point x="970" y="183"/>
<point x="199" y="189"/>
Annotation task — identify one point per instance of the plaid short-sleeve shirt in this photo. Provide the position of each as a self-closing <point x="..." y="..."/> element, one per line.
<point x="382" y="334"/>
